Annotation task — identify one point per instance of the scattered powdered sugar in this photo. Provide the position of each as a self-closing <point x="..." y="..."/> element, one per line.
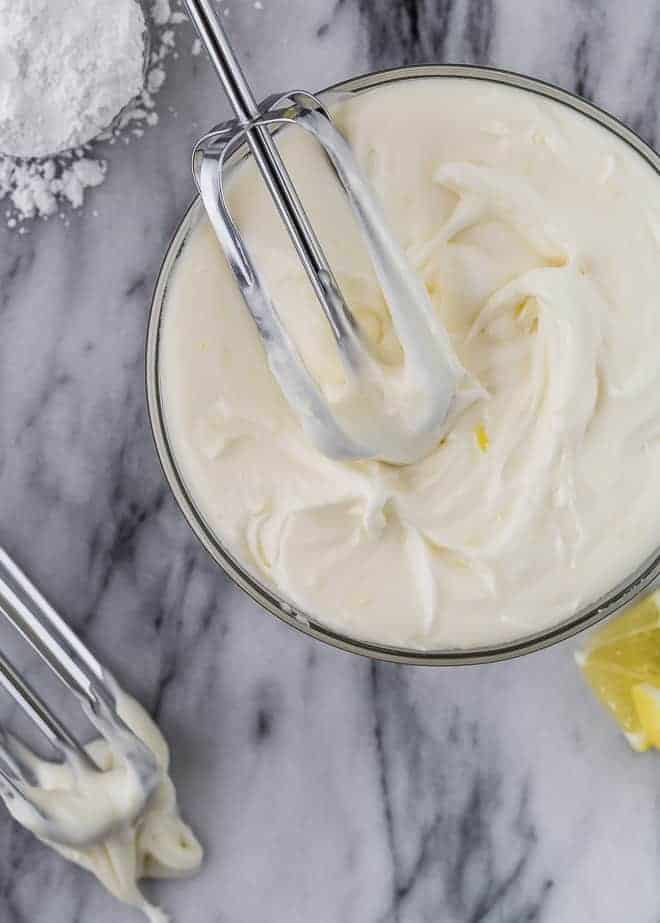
<point x="42" y="188"/>
<point x="35" y="187"/>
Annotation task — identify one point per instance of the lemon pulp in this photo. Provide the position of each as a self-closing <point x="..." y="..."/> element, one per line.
<point x="621" y="663"/>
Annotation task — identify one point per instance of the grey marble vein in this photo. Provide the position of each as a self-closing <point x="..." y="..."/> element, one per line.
<point x="326" y="788"/>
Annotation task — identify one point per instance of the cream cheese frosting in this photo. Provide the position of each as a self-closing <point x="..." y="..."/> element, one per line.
<point x="102" y="818"/>
<point x="537" y="235"/>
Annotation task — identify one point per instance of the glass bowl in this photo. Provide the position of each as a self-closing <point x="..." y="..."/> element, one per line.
<point x="268" y="598"/>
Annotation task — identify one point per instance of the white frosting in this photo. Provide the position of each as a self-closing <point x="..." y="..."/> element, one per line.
<point x="129" y="840"/>
<point x="537" y="235"/>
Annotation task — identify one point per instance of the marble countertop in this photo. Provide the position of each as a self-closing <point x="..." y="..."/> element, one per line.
<point x="326" y="788"/>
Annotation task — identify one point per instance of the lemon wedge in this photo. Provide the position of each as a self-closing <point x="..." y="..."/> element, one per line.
<point x="621" y="663"/>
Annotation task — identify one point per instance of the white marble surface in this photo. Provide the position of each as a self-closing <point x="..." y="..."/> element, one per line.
<point x="325" y="788"/>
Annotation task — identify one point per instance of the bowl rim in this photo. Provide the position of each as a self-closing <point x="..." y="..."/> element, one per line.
<point x="269" y="600"/>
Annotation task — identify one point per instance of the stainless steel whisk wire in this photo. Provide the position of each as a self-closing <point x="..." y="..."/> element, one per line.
<point x="421" y="335"/>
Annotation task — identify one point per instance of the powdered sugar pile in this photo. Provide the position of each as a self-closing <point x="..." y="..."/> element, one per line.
<point x="29" y="123"/>
<point x="68" y="69"/>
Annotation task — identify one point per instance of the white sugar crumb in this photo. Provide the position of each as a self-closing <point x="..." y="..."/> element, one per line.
<point x="88" y="172"/>
<point x="155" y="79"/>
<point x="161" y="12"/>
<point x="83" y="174"/>
<point x="41" y="188"/>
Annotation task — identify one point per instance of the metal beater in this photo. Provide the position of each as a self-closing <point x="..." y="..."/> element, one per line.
<point x="77" y="668"/>
<point x="431" y="367"/>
